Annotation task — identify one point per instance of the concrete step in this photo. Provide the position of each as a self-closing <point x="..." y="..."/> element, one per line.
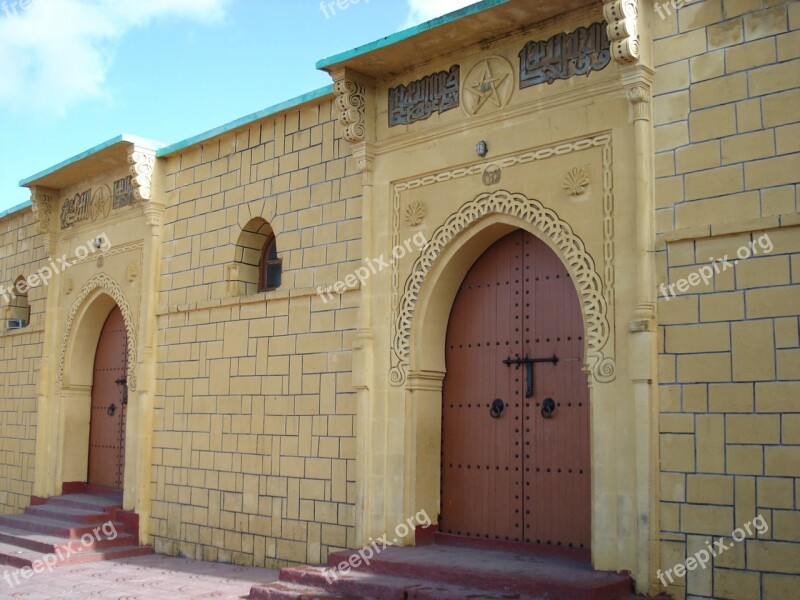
<point x="49" y="543"/>
<point x="53" y="527"/>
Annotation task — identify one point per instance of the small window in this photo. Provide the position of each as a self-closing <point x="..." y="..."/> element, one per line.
<point x="270" y="267"/>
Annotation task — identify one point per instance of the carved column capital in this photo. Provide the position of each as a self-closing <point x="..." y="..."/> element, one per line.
<point x="639" y="97"/>
<point x="43" y="201"/>
<point x="623" y="30"/>
<point x="152" y="214"/>
<point x="365" y="160"/>
<point x="351" y="104"/>
<point x="142" y="164"/>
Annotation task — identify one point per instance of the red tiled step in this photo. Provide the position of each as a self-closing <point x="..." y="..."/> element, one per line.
<point x="48" y="543"/>
<point x="281" y="590"/>
<point x="53" y="527"/>
<point x="76" y="515"/>
<point x="106" y="504"/>
<point x="364" y="584"/>
<point x="511" y="573"/>
<point x="16" y="557"/>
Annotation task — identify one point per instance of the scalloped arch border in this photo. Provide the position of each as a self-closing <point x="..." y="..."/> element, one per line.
<point x="112" y="288"/>
<point x="572" y="251"/>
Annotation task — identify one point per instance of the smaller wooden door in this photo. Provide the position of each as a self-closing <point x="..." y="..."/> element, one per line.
<point x="109" y="404"/>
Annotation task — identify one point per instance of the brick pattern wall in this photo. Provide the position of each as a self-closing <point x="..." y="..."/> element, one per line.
<point x="726" y="111"/>
<point x="254" y="444"/>
<point x="22" y="252"/>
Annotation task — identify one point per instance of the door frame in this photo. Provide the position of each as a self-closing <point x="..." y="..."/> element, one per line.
<point x="622" y="520"/>
<point x="62" y="450"/>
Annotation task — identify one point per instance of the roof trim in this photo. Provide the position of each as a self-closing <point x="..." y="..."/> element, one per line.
<point x="19" y="207"/>
<point x="132" y="139"/>
<point x="246" y="120"/>
<point x="326" y="64"/>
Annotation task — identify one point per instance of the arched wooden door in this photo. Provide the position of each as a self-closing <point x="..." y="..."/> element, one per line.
<point x="109" y="404"/>
<point x="515" y="418"/>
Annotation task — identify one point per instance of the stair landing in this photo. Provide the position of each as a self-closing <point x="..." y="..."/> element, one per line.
<point x="443" y="572"/>
<point x="68" y="529"/>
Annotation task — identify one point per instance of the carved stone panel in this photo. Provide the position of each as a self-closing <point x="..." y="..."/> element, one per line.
<point x="438" y="92"/>
<point x="564" y="55"/>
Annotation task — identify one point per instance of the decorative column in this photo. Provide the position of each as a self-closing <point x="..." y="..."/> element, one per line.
<point x="45" y="207"/>
<point x="355" y="106"/>
<point x="143" y="169"/>
<point x="625" y="25"/>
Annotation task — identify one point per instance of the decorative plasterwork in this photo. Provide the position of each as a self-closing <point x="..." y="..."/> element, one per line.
<point x="113" y="251"/>
<point x="351" y="104"/>
<point x="142" y="163"/>
<point x="42" y="200"/>
<point x="570" y="248"/>
<point x="623" y="30"/>
<point x="576" y="180"/>
<point x="112" y="288"/>
<point x="639" y="97"/>
<point x="490" y="82"/>
<point x="415" y="213"/>
<point x="603" y="367"/>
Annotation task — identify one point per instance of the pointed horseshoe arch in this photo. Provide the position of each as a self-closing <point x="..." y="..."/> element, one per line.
<point x="571" y="249"/>
<point x="105" y="283"/>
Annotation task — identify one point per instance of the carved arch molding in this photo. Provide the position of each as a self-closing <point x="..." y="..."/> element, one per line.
<point x="600" y="361"/>
<point x="109" y="286"/>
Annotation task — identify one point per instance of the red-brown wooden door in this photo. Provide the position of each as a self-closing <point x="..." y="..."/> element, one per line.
<point x="109" y="403"/>
<point x="516" y="476"/>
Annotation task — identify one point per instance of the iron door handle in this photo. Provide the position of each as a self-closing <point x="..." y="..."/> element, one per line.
<point x="497" y="408"/>
<point x="111" y="409"/>
<point x="548" y="408"/>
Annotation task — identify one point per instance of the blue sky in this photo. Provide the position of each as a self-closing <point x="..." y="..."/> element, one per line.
<point x="74" y="73"/>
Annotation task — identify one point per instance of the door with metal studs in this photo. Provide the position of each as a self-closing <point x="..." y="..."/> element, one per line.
<point x="109" y="405"/>
<point x="515" y="415"/>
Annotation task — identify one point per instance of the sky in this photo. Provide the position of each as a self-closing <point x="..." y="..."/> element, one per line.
<point x="75" y="73"/>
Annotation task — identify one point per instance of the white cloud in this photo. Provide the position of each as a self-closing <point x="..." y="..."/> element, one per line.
<point x="56" y="53"/>
<point x="425" y="10"/>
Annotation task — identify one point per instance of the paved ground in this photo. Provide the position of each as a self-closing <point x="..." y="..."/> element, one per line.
<point x="145" y="577"/>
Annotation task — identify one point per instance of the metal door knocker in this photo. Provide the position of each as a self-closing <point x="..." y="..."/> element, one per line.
<point x="497" y="408"/>
<point x="548" y="408"/>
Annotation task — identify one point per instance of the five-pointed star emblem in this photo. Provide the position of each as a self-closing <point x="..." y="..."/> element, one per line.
<point x="487" y="87"/>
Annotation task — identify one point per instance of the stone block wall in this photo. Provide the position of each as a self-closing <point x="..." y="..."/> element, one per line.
<point x="254" y="441"/>
<point x="727" y="124"/>
<point x="22" y="253"/>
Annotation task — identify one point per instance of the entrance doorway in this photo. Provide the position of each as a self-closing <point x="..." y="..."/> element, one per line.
<point x="109" y="404"/>
<point x="515" y="415"/>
